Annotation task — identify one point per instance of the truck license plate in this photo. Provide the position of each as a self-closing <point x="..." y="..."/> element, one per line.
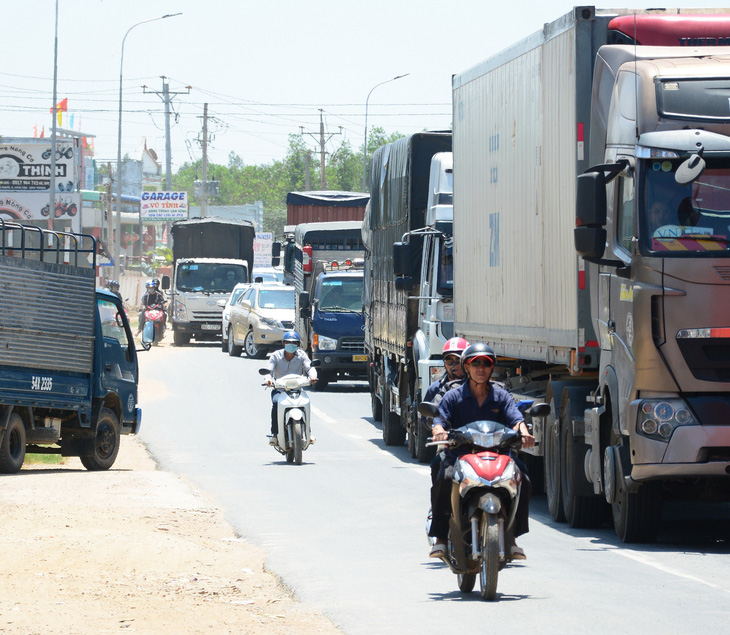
<point x="210" y="327"/>
<point x="359" y="358"/>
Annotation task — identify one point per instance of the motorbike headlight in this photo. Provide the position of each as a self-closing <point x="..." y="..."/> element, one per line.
<point x="658" y="418"/>
<point x="181" y="312"/>
<point x="327" y="343"/>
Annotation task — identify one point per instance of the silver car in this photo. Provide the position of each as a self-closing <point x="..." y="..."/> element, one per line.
<point x="226" y="304"/>
<point x="259" y="319"/>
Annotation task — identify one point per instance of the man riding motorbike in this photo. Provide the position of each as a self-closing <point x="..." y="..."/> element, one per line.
<point x="153" y="296"/>
<point x="290" y="360"/>
<point x="113" y="286"/>
<point x="476" y="399"/>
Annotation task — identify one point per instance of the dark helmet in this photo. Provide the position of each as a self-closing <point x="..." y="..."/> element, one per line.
<point x="292" y="337"/>
<point x="112" y="285"/>
<point x="477" y="350"/>
<point x="156" y="282"/>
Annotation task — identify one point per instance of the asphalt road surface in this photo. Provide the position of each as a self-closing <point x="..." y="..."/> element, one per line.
<point x="345" y="530"/>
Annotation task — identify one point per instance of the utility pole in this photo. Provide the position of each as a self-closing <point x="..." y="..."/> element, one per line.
<point x="322" y="147"/>
<point x="165" y="95"/>
<point x="204" y="200"/>
<point x="307" y="164"/>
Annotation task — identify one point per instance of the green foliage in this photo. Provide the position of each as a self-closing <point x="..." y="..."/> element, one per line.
<point x="270" y="183"/>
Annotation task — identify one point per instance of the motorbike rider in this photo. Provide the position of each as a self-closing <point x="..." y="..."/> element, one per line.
<point x="452" y="377"/>
<point x="113" y="286"/>
<point x="290" y="360"/>
<point x="153" y="296"/>
<point x="476" y="399"/>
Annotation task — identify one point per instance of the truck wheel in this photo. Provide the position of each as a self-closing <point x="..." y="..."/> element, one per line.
<point x="233" y="349"/>
<point x="12" y="449"/>
<point x="101" y="451"/>
<point x="393" y="431"/>
<point x="322" y="382"/>
<point x="636" y="516"/>
<point x="376" y="406"/>
<point x="423" y="454"/>
<point x="582" y="508"/>
<point x="181" y="339"/>
<point x="552" y="464"/>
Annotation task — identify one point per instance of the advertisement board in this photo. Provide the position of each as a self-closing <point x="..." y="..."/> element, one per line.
<point x="34" y="206"/>
<point x="25" y="166"/>
<point x="262" y="249"/>
<point x="164" y="206"/>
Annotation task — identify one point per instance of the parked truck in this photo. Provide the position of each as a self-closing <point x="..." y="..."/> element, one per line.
<point x="326" y="268"/>
<point x="324" y="207"/>
<point x="408" y="320"/>
<point x="68" y="364"/>
<point x="210" y="257"/>
<point x="627" y="114"/>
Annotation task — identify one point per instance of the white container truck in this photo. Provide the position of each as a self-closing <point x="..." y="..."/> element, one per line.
<point x="629" y="339"/>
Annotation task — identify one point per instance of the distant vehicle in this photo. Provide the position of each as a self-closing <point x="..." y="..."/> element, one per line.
<point x="226" y="304"/>
<point x="268" y="275"/>
<point x="259" y="319"/>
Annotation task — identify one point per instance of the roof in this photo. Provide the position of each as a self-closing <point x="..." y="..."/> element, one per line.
<point x="332" y="198"/>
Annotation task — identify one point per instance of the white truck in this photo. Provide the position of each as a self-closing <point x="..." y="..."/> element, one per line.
<point x="407" y="231"/>
<point x="581" y="131"/>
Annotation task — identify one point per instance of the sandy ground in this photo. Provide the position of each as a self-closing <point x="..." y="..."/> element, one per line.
<point x="132" y="550"/>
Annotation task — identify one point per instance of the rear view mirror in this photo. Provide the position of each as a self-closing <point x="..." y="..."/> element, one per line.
<point x="401" y="258"/>
<point x="539" y="410"/>
<point x="165" y="283"/>
<point x="428" y="409"/>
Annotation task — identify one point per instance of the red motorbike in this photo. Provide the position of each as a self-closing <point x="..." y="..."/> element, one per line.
<point x="485" y="491"/>
<point x="154" y="324"/>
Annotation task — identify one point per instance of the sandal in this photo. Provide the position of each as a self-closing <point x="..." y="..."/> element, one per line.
<point x="516" y="553"/>
<point x="437" y="551"/>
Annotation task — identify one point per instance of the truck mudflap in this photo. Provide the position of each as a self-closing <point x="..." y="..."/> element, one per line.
<point x="133" y="426"/>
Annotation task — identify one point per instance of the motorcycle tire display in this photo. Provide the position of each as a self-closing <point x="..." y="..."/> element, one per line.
<point x="101" y="450"/>
<point x="12" y="448"/>
<point x="489" y="561"/>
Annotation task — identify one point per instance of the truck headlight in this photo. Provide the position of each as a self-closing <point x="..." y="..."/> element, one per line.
<point x="326" y="343"/>
<point x="658" y="418"/>
<point x="181" y="312"/>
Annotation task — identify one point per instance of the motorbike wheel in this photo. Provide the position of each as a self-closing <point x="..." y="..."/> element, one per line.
<point x="489" y="565"/>
<point x="297" y="442"/>
<point x="12" y="449"/>
<point x="466" y="581"/>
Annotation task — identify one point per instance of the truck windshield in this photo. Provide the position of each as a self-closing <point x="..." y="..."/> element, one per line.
<point x="341" y="294"/>
<point x="685" y="220"/>
<point x="209" y="277"/>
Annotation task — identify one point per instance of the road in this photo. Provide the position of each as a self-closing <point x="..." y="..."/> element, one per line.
<point x="345" y="530"/>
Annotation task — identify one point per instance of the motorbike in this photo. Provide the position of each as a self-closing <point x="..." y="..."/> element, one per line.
<point x="485" y="491"/>
<point x="292" y="412"/>
<point x="154" y="324"/>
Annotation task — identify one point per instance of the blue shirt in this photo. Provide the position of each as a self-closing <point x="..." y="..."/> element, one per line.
<point x="459" y="407"/>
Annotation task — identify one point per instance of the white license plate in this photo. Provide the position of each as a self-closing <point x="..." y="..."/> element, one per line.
<point x="210" y="327"/>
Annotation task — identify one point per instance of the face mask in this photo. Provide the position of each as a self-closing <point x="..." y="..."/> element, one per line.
<point x="290" y="348"/>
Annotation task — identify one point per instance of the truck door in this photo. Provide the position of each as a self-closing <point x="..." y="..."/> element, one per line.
<point x="118" y="371"/>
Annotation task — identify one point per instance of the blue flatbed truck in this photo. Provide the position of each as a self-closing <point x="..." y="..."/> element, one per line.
<point x="68" y="363"/>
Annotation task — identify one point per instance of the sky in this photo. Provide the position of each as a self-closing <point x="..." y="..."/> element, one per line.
<point x="266" y="69"/>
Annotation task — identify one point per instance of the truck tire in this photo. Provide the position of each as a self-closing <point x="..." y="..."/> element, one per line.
<point x="423" y="454"/>
<point x="12" y="449"/>
<point x="376" y="406"/>
<point x="233" y="349"/>
<point x="393" y="431"/>
<point x="552" y="459"/>
<point x="101" y="451"/>
<point x="582" y="508"/>
<point x="181" y="339"/>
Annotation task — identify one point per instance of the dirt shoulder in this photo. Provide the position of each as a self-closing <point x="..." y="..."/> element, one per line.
<point x="133" y="549"/>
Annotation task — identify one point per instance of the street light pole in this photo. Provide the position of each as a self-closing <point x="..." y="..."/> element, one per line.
<point x="118" y="224"/>
<point x="365" y="144"/>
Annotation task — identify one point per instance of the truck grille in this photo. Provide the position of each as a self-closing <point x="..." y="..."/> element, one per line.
<point x="353" y="344"/>
<point x="208" y="315"/>
<point x="707" y="358"/>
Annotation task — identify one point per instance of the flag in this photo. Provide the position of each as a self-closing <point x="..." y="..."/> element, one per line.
<point x="61" y="107"/>
<point x="35" y="130"/>
<point x="43" y="132"/>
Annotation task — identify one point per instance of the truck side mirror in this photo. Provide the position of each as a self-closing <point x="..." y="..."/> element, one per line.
<point x="275" y="254"/>
<point x="165" y="283"/>
<point x="304" y="300"/>
<point x="590" y="215"/>
<point x="401" y="258"/>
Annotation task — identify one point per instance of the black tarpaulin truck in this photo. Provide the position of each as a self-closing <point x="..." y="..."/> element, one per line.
<point x="68" y="365"/>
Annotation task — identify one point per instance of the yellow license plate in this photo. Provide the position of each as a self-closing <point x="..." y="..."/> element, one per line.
<point x="359" y="358"/>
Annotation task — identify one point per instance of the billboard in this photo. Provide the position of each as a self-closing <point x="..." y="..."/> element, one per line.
<point x="164" y="206"/>
<point x="34" y="206"/>
<point x="25" y="166"/>
<point x="262" y="249"/>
